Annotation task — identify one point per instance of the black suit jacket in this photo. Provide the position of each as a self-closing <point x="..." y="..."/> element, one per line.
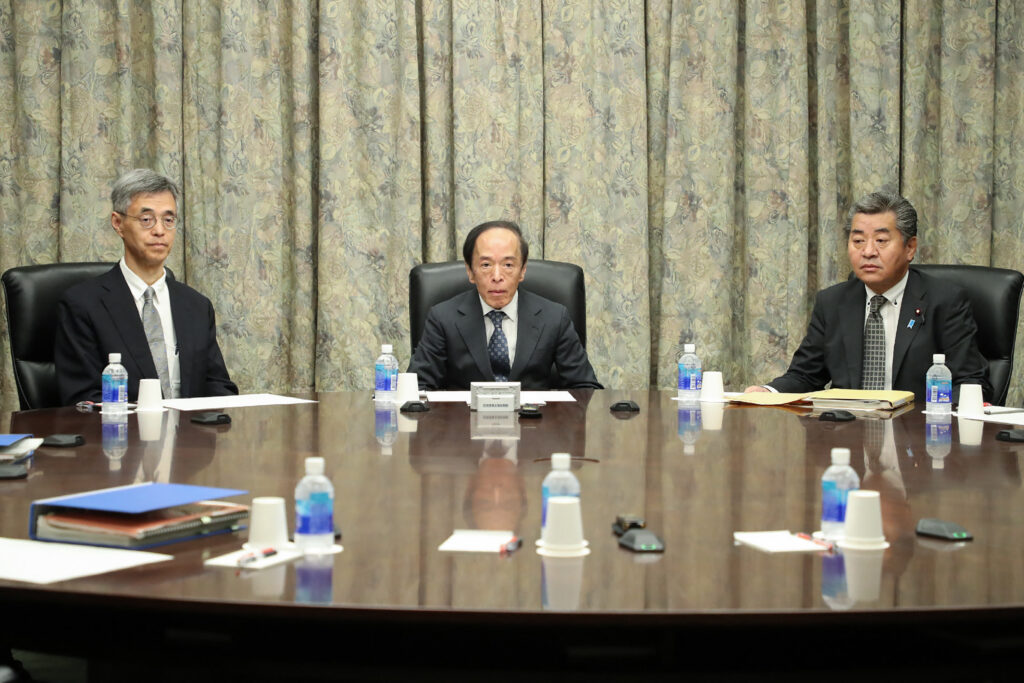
<point x="833" y="349"/>
<point x="453" y="349"/>
<point x="99" y="316"/>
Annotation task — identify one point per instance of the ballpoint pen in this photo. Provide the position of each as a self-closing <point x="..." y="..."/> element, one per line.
<point x="808" y="537"/>
<point x="256" y="556"/>
<point x="997" y="410"/>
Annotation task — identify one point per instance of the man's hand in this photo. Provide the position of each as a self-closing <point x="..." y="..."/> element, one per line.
<point x="756" y="387"/>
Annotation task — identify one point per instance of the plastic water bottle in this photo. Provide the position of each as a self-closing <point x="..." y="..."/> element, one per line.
<point x="314" y="509"/>
<point x="939" y="386"/>
<point x="839" y="479"/>
<point x="115" y="386"/>
<point x="385" y="373"/>
<point x="559" y="482"/>
<point x="689" y="374"/>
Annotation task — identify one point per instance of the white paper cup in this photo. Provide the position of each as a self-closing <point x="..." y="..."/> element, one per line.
<point x="711" y="387"/>
<point x="268" y="526"/>
<point x="408" y="387"/>
<point x="711" y="416"/>
<point x="971" y="402"/>
<point x="970" y="431"/>
<point x="863" y="574"/>
<point x="561" y="582"/>
<point x="149" y="396"/>
<point x="563" y="534"/>
<point x="151" y="424"/>
<point x="863" y="527"/>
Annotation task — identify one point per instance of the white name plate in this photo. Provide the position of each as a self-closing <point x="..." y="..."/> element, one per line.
<point x="494" y="396"/>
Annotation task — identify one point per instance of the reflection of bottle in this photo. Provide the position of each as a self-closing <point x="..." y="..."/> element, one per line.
<point x="313" y="579"/>
<point x="833" y="582"/>
<point x="115" y="437"/>
<point x="385" y="425"/>
<point x="938" y="437"/>
<point x="689" y="425"/>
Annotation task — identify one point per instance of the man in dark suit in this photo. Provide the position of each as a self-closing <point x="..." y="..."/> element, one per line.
<point x="913" y="315"/>
<point x="498" y="333"/>
<point x="162" y="329"/>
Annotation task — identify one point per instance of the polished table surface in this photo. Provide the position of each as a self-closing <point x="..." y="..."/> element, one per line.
<point x="696" y="477"/>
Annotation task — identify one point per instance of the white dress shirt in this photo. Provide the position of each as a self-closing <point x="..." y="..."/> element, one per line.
<point x="890" y="312"/>
<point x="162" y="301"/>
<point x="509" y="325"/>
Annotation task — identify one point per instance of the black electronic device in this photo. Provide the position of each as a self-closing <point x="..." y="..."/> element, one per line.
<point x="624" y="523"/>
<point x="16" y="470"/>
<point x="1010" y="435"/>
<point x="837" y="416"/>
<point x="63" y="440"/>
<point x="641" y="541"/>
<point x="940" y="528"/>
<point x="530" y="411"/>
<point x="211" y="418"/>
<point x="414" y="407"/>
<point x="625" y="407"/>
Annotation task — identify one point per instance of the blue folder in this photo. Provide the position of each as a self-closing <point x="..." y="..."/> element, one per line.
<point x="10" y="439"/>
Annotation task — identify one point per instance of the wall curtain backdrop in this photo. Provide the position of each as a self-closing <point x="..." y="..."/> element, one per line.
<point x="695" y="158"/>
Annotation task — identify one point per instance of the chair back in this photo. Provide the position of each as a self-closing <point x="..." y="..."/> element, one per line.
<point x="32" y="293"/>
<point x="995" y="295"/>
<point x="432" y="283"/>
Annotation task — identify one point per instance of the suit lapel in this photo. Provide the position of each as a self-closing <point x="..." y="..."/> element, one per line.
<point x="182" y="316"/>
<point x="527" y="334"/>
<point x="852" y="317"/>
<point x="471" y="328"/>
<point x="121" y="307"/>
<point x="914" y="307"/>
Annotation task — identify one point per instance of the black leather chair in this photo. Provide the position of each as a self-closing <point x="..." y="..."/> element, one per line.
<point x="432" y="283"/>
<point x="32" y="293"/>
<point x="995" y="299"/>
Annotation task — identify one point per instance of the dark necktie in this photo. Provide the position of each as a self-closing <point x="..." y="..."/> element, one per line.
<point x="498" y="348"/>
<point x="873" y="376"/>
<point x="155" y="337"/>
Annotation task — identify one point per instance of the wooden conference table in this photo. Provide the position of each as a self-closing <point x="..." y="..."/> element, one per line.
<point x="404" y="483"/>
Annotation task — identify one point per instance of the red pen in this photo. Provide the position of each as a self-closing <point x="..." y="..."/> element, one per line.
<point x="256" y="556"/>
<point x="812" y="539"/>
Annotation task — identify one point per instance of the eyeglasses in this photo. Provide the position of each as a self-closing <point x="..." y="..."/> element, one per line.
<point x="148" y="220"/>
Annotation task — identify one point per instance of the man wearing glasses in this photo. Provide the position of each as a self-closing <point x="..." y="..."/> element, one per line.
<point x="162" y="329"/>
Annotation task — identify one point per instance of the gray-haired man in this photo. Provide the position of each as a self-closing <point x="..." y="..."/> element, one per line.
<point x="162" y="329"/>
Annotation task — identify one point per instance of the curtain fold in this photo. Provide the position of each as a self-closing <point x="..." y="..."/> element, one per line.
<point x="696" y="160"/>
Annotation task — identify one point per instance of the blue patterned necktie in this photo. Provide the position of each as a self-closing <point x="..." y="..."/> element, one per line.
<point x="498" y="348"/>
<point x="873" y="376"/>
<point x="155" y="336"/>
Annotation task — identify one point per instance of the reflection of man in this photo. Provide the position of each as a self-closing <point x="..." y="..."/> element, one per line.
<point x="498" y="333"/>
<point x="162" y="328"/>
<point x="880" y="329"/>
<point x="495" y="497"/>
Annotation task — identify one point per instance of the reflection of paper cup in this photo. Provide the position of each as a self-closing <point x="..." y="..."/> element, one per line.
<point x="149" y="395"/>
<point x="970" y="431"/>
<point x="711" y="415"/>
<point x="561" y="582"/>
<point x="711" y="386"/>
<point x="863" y="527"/>
<point x="408" y="387"/>
<point x="406" y="424"/>
<point x="151" y="425"/>
<point x="971" y="402"/>
<point x="269" y="582"/>
<point x="268" y="527"/>
<point x="563" y="531"/>
<point x="863" y="574"/>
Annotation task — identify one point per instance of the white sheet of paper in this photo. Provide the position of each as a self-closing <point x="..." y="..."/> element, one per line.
<point x="231" y="559"/>
<point x="540" y="397"/>
<point x="222" y="402"/>
<point x="476" y="541"/>
<point x="777" y="542"/>
<point x="1008" y="418"/>
<point x="41" y="562"/>
<point x="23" y="447"/>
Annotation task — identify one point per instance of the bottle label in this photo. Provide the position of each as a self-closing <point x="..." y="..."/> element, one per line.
<point x="384" y="379"/>
<point x="689" y="380"/>
<point x="833" y="502"/>
<point x="315" y="515"/>
<point x="114" y="390"/>
<point x="940" y="391"/>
